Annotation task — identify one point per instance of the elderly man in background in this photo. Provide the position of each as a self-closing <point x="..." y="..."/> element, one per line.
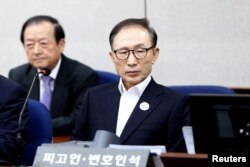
<point x="43" y="39"/>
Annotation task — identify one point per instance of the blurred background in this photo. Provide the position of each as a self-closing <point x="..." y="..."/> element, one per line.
<point x="200" y="41"/>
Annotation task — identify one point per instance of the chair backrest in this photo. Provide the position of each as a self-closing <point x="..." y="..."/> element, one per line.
<point x="188" y="89"/>
<point x="107" y="77"/>
<point x="39" y="130"/>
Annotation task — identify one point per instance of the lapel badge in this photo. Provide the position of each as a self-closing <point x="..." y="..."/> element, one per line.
<point x="144" y="106"/>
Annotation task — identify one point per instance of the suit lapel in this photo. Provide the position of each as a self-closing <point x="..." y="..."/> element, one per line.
<point x="61" y="87"/>
<point x="111" y="109"/>
<point x="138" y="115"/>
<point x="28" y="81"/>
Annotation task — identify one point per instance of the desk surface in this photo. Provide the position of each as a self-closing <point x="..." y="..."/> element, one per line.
<point x="184" y="160"/>
<point x="59" y="139"/>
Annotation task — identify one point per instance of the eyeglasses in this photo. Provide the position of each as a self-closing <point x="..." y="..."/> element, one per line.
<point x="139" y="53"/>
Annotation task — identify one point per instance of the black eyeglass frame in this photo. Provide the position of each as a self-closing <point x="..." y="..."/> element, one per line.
<point x="133" y="51"/>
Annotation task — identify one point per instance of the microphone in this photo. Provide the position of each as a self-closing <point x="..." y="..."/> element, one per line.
<point x="103" y="138"/>
<point x="45" y="71"/>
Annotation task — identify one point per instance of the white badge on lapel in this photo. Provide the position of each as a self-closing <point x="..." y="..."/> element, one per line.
<point x="144" y="106"/>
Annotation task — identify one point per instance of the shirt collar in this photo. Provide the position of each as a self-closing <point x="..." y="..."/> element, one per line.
<point x="140" y="87"/>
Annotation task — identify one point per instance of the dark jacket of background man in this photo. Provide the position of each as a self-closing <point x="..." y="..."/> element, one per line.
<point x="72" y="81"/>
<point x="44" y="41"/>
<point x="12" y="97"/>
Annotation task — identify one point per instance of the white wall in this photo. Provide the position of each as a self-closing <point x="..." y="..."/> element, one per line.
<point x="201" y="41"/>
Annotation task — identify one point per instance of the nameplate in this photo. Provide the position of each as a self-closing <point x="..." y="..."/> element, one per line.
<point x="74" y="155"/>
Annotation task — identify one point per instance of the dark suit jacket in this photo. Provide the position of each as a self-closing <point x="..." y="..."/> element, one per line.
<point x="161" y="124"/>
<point x="12" y="97"/>
<point x="72" y="81"/>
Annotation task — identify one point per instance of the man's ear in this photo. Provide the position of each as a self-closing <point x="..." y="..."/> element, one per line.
<point x="61" y="44"/>
<point x="112" y="56"/>
<point x="156" y="52"/>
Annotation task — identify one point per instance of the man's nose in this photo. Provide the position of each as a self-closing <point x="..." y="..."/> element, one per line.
<point x="132" y="60"/>
<point x="37" y="48"/>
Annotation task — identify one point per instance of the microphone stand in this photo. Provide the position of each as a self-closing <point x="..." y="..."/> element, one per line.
<point x="46" y="72"/>
<point x="19" y="135"/>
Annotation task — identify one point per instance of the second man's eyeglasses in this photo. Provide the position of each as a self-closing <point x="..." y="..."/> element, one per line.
<point x="139" y="53"/>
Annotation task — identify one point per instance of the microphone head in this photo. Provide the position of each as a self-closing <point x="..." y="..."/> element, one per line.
<point x="103" y="138"/>
<point x="45" y="71"/>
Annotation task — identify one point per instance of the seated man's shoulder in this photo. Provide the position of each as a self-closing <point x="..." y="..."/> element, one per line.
<point x="173" y="94"/>
<point x="22" y="68"/>
<point x="79" y="73"/>
<point x="105" y="89"/>
<point x="19" y="72"/>
<point x="78" y="67"/>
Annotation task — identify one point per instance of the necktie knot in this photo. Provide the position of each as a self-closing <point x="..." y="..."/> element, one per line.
<point x="47" y="93"/>
<point x="46" y="79"/>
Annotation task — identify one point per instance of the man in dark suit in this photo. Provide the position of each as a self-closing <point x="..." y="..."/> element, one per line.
<point x="12" y="99"/>
<point x="137" y="109"/>
<point x="44" y="40"/>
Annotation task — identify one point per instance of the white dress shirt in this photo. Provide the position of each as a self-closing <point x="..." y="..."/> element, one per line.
<point x="128" y="101"/>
